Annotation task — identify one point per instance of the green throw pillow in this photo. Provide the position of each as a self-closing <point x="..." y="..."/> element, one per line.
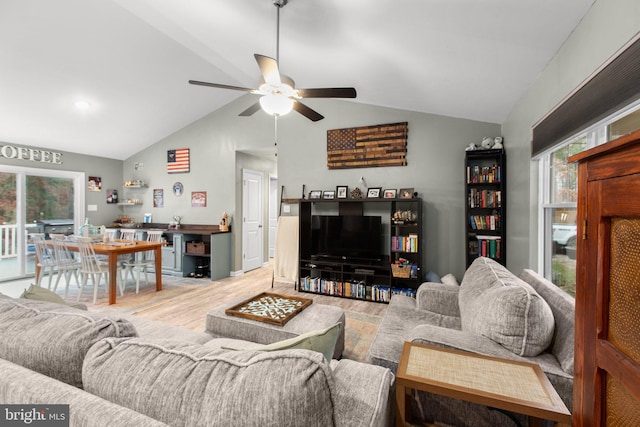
<point x="322" y="341"/>
<point x="41" y="294"/>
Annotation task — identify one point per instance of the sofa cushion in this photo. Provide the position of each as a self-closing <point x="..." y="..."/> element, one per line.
<point x="564" y="311"/>
<point x="323" y="341"/>
<point x="497" y="304"/>
<point x="51" y="338"/>
<point x="22" y="386"/>
<point x="186" y="384"/>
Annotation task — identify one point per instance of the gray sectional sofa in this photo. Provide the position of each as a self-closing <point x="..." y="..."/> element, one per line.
<point x="132" y="371"/>
<point x="491" y="312"/>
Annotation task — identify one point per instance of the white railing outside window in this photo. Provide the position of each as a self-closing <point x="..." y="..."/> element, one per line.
<point x="8" y="241"/>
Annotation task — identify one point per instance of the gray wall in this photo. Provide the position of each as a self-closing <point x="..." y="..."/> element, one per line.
<point x="109" y="170"/>
<point x="435" y="167"/>
<point x="435" y="156"/>
<point x="606" y="28"/>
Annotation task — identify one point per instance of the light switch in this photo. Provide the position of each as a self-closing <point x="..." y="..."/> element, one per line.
<point x="92" y="208"/>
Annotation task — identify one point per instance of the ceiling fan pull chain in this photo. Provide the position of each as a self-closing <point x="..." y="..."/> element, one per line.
<point x="275" y="132"/>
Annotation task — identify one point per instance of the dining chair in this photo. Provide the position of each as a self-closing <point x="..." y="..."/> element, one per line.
<point x="92" y="267"/>
<point x="44" y="258"/>
<point x="142" y="260"/>
<point x="66" y="263"/>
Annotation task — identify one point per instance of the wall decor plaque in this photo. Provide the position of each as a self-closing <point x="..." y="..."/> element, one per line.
<point x="367" y="146"/>
<point x="269" y="308"/>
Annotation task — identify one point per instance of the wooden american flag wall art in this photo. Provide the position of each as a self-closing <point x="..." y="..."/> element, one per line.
<point x="367" y="146"/>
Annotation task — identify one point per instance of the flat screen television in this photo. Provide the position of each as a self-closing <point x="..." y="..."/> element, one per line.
<point x="346" y="237"/>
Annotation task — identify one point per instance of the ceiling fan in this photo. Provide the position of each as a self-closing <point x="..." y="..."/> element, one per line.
<point x="278" y="94"/>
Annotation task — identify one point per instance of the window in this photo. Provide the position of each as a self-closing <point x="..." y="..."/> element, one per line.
<point x="558" y="193"/>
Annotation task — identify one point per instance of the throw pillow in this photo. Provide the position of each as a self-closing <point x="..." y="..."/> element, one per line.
<point x="432" y="277"/>
<point x="450" y="279"/>
<point x="41" y="294"/>
<point x="500" y="306"/>
<point x="323" y="341"/>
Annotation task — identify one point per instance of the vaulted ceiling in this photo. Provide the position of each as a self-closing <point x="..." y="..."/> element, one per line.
<point x="130" y="60"/>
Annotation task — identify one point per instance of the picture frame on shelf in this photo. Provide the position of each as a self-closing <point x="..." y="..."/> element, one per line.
<point x="342" y="192"/>
<point x="390" y="193"/>
<point x="329" y="195"/>
<point x="315" y="194"/>
<point x="374" y="192"/>
<point x="406" y="193"/>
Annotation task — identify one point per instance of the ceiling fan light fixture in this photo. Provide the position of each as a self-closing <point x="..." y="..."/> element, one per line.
<point x="276" y="104"/>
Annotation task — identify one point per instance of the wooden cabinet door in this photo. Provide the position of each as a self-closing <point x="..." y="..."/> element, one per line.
<point x="607" y="351"/>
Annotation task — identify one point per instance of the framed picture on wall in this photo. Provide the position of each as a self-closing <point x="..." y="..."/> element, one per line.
<point x="198" y="199"/>
<point x="112" y="196"/>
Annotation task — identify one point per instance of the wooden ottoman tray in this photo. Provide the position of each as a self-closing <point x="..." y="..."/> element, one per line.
<point x="269" y="308"/>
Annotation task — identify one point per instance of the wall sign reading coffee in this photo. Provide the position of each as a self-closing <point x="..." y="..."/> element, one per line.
<point x="30" y="154"/>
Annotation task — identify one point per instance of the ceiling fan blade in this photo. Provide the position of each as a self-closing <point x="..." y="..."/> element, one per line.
<point x="310" y="114"/>
<point x="269" y="68"/>
<point x="249" y="111"/>
<point x="328" y="92"/>
<point x="244" y="89"/>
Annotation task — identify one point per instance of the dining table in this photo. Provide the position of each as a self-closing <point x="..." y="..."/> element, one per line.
<point x="113" y="249"/>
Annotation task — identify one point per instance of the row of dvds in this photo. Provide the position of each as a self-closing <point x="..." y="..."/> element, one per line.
<point x="360" y="290"/>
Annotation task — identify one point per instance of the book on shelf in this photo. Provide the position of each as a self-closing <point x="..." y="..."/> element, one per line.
<point x="484" y="198"/>
<point x="485" y="222"/>
<point x="404" y="243"/>
<point x="477" y="174"/>
<point x="490" y="246"/>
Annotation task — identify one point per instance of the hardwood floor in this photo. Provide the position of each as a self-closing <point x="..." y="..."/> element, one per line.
<point x="187" y="305"/>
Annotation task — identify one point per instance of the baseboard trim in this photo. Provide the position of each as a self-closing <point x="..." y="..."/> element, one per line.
<point x="236" y="273"/>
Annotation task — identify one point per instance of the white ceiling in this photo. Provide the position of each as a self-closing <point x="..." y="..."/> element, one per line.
<point x="131" y="60"/>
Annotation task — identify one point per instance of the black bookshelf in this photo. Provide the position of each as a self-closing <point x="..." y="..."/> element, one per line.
<point x="485" y="205"/>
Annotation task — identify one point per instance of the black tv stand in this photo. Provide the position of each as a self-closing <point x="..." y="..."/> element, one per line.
<point x="360" y="277"/>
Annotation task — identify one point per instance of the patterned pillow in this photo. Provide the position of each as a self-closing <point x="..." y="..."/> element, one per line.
<point x="497" y="304"/>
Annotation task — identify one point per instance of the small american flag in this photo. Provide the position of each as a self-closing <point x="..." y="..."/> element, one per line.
<point x="178" y="160"/>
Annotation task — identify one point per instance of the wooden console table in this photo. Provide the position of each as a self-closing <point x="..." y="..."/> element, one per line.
<point x="499" y="383"/>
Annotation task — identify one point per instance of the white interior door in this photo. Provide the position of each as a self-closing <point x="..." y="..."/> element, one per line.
<point x="273" y="214"/>
<point x="252" y="229"/>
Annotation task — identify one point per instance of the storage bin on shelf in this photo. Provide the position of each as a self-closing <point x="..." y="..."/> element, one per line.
<point x="197" y="248"/>
<point x="402" y="271"/>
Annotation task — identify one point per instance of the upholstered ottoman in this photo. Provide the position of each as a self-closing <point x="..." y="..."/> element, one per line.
<point x="315" y="316"/>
